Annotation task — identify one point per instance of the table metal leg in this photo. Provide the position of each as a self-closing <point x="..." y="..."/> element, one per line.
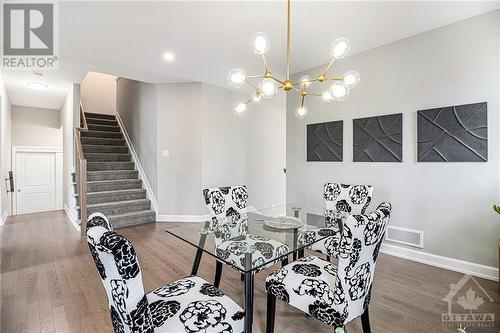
<point x="196" y="263"/>
<point x="249" y="289"/>
<point x="199" y="252"/>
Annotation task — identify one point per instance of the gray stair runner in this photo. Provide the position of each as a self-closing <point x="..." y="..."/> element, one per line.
<point x="113" y="184"/>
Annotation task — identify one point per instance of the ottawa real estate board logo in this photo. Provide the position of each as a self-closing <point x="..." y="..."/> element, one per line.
<point x="30" y="36"/>
<point x="466" y="300"/>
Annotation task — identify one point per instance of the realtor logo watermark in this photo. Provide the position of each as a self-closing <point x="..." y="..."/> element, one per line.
<point x="30" y="36"/>
<point x="464" y="305"/>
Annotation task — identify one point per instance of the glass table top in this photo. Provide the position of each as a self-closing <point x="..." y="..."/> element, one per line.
<point x="248" y="241"/>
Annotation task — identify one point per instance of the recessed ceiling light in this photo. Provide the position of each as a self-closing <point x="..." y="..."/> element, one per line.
<point x="168" y="56"/>
<point x="38" y="86"/>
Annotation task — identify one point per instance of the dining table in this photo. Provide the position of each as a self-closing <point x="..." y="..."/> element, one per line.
<point x="294" y="226"/>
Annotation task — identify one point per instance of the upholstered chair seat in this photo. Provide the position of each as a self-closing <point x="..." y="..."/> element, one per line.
<point x="262" y="249"/>
<point x="334" y="294"/>
<point x="187" y="305"/>
<point x="193" y="305"/>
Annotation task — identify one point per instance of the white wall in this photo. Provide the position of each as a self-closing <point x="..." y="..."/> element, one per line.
<point x="450" y="202"/>
<point x="70" y="118"/>
<point x="36" y="127"/>
<point x="5" y="146"/>
<point x="98" y="93"/>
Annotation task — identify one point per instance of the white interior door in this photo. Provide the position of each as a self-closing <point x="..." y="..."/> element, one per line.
<point x="36" y="182"/>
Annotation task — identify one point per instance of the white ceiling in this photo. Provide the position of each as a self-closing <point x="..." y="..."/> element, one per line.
<point x="209" y="38"/>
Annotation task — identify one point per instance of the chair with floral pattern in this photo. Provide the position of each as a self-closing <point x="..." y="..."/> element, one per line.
<point x="334" y="294"/>
<point x="189" y="305"/>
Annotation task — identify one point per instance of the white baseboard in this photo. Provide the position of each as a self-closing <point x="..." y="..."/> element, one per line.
<point x="72" y="218"/>
<point x="4" y="217"/>
<point x="142" y="174"/>
<point x="182" y="218"/>
<point x="482" y="271"/>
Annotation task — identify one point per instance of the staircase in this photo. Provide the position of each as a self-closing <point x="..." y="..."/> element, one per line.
<point x="113" y="185"/>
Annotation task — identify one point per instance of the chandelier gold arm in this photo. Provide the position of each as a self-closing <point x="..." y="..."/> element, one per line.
<point x="265" y="63"/>
<point x="279" y="81"/>
<point x="328" y="67"/>
<point x="251" y="84"/>
<point x="288" y="46"/>
<point x="253" y="77"/>
<point x="302" y="101"/>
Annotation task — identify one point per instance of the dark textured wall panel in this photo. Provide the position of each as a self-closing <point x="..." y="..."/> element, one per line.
<point x="325" y="141"/>
<point x="378" y="139"/>
<point x="453" y="134"/>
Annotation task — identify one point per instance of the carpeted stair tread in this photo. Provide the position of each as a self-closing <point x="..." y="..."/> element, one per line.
<point x="102" y="121"/>
<point x="104" y="128"/>
<point x="105" y="149"/>
<point x="103" y="141"/>
<point x="112" y="175"/>
<point x="115" y="195"/>
<point x="102" y="134"/>
<point x="132" y="218"/>
<point x="108" y="157"/>
<point x="101" y="166"/>
<point x="100" y="115"/>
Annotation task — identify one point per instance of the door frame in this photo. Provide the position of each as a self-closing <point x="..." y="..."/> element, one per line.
<point x="58" y="151"/>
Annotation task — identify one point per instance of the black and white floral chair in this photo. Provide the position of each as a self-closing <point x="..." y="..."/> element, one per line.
<point x="188" y="305"/>
<point x="341" y="200"/>
<point x="334" y="294"/>
<point x="228" y="210"/>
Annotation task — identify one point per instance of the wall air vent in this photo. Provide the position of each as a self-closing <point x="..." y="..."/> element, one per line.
<point x="405" y="236"/>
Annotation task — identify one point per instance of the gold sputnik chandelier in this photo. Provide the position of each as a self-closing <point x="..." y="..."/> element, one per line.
<point x="268" y="87"/>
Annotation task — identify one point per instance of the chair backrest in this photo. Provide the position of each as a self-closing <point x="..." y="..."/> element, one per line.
<point x="342" y="200"/>
<point x="360" y="243"/>
<point x="118" y="267"/>
<point x="225" y="203"/>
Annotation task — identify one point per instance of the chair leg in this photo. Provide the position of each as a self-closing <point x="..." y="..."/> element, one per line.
<point x="365" y="321"/>
<point x="328" y="258"/>
<point x="242" y="277"/>
<point x="218" y="273"/>
<point x="271" y="311"/>
<point x="284" y="262"/>
<point x="301" y="254"/>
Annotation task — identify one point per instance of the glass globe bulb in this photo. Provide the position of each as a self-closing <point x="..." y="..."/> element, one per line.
<point x="257" y="97"/>
<point x="260" y="42"/>
<point x="268" y="88"/>
<point x="300" y="112"/>
<point x="326" y="97"/>
<point x="305" y="81"/>
<point x="351" y="79"/>
<point x="340" y="48"/>
<point x="236" y="77"/>
<point x="339" y="91"/>
<point x="240" y="108"/>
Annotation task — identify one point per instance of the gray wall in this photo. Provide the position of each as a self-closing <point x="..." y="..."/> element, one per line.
<point x="451" y="202"/>
<point x="207" y="144"/>
<point x="36" y="127"/>
<point x="136" y="104"/>
<point x="70" y="118"/>
<point x="179" y="131"/>
<point x="5" y="144"/>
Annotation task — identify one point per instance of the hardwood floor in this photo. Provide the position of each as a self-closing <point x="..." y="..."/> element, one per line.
<point x="49" y="283"/>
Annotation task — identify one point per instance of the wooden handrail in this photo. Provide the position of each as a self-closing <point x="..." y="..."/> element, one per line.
<point x="81" y="171"/>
